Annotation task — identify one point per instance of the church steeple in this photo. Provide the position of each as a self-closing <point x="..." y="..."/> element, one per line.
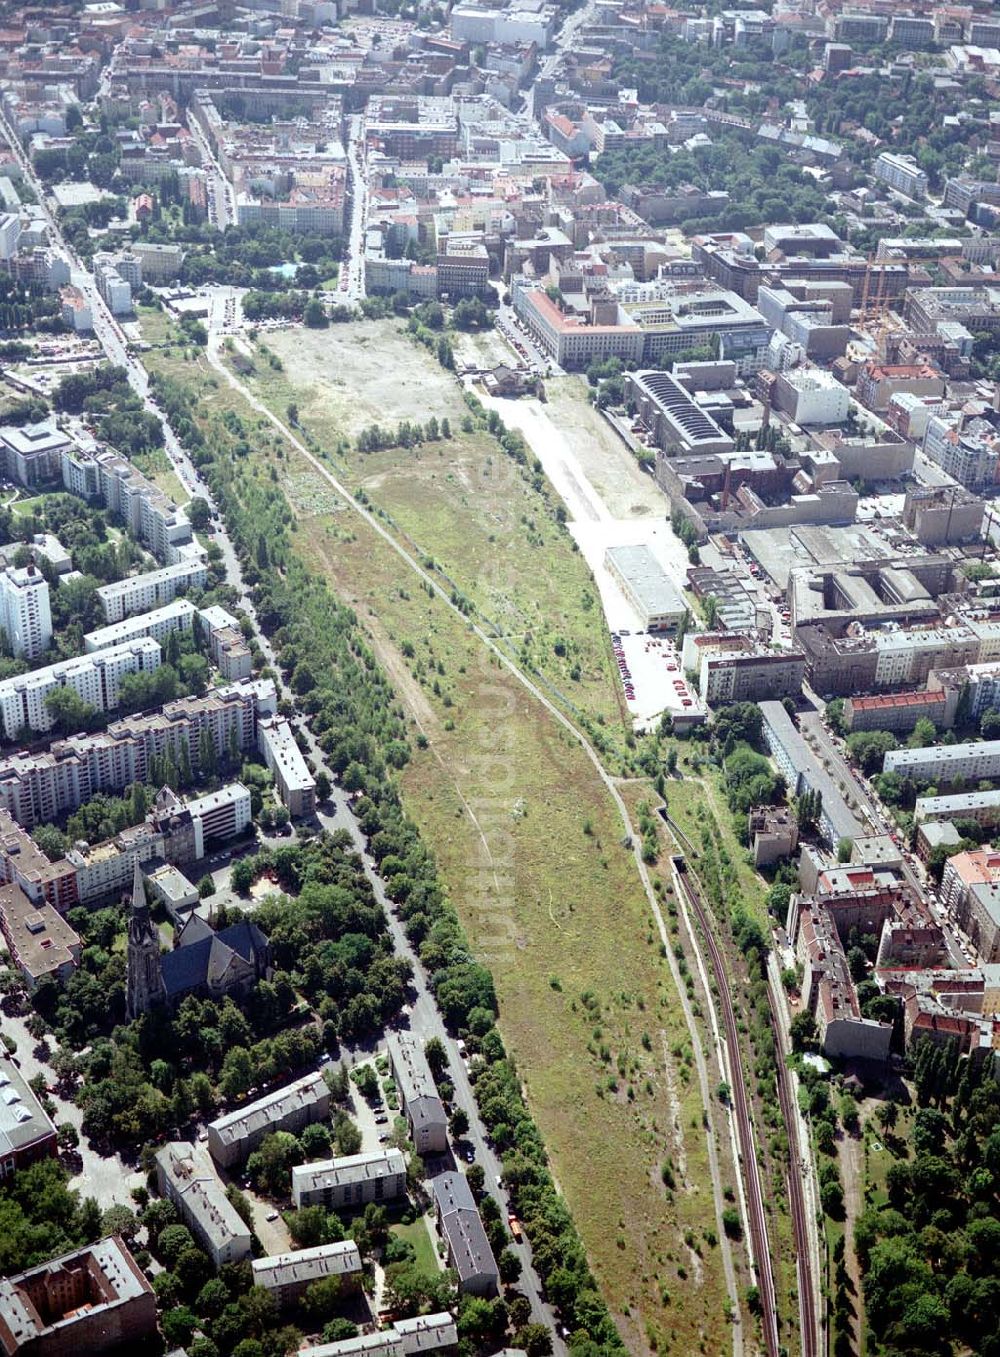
<point x="144" y="976"/>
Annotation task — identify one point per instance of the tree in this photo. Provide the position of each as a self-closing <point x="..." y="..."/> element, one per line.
<point x="199" y="513"/>
<point x="509" y="1266"/>
<point x="803" y="1031"/>
<point x="314" y="315"/>
<point x="535" y="1339"/>
<point x="120" y="1220"/>
<point x="459" y="1122"/>
<point x="68" y="710"/>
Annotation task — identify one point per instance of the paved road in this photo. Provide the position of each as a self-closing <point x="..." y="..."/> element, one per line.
<point x="354" y="265"/>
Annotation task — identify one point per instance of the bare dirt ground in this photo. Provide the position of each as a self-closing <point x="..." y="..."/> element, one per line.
<point x="389" y="381"/>
<point x="627" y="491"/>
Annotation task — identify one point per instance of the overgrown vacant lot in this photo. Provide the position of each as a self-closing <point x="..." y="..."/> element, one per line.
<point x="530" y="848"/>
<point x="489" y="524"/>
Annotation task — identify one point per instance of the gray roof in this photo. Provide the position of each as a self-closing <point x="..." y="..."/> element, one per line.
<point x="647" y="579"/>
<point x="23" y="1120"/>
<point x="462" y="1225"/>
<point x="272" y="1108"/>
<point x="303" y="1266"/>
<point x="351" y="1168"/>
<point x="779" y="728"/>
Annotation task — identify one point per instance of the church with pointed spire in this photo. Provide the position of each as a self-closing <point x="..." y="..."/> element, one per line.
<point x="144" y="971"/>
<point x="202" y="962"/>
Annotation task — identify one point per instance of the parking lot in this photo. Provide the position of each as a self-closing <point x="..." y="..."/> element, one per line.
<point x="652" y="677"/>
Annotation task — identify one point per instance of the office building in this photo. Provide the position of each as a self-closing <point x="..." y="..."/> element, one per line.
<point x="231" y="1138"/>
<point x="26" y="1131"/>
<point x="95" y="678"/>
<point x="295" y="783"/>
<point x="461" y="1227"/>
<point x="88" y="1301"/>
<point x="162" y="622"/>
<point x="812" y="397"/>
<point x="418" y="1095"/>
<point x="287" y="1276"/>
<point x="186" y="1177"/>
<point x="25" y="615"/>
<point x="143" y="593"/>
<point x="350" y="1181"/>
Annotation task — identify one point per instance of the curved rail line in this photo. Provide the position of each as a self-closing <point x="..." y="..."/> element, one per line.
<point x="744" y="1125"/>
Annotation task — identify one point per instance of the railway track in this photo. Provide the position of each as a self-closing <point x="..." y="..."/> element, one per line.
<point x="744" y="1126"/>
<point x="797" y="1201"/>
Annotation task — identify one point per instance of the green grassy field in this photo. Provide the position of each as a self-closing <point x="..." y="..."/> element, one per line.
<point x="419" y="1235"/>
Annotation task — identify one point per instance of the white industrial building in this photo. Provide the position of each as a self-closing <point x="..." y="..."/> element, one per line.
<point x="812" y="396"/>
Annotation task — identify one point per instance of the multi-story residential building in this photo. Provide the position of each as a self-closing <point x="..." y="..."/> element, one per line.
<point x="418" y="1095"/>
<point x="749" y="676"/>
<point x="983" y="807"/>
<point x="963" y="192"/>
<point x="112" y="287"/>
<point x="186" y="1177"/>
<point x="231" y="1138"/>
<point x="26" y="1130"/>
<point x="162" y="622"/>
<point x="913" y="32"/>
<point x="295" y="783"/>
<point x="970" y="886"/>
<point x="88" y="1301"/>
<point x="286" y="1276"/>
<point x="95" y="678"/>
<point x="940" y="516"/>
<point x="944" y="765"/>
<point x="406" y="1338"/>
<point x="105" y="477"/>
<point x="899" y="711"/>
<point x="36" y="788"/>
<point x="879" y="382"/>
<point x="984" y="33"/>
<point x="226" y="643"/>
<point x="901" y="172"/>
<point x="350" y="1181"/>
<point x="461" y="1228"/>
<point x="975" y="308"/>
<point x="803" y="772"/>
<point x="969" y="452"/>
<point x="22" y="863"/>
<point x="40" y="941"/>
<point x="32" y="454"/>
<point x="142" y="593"/>
<point x="223" y="814"/>
<point x="860" y="26"/>
<point x="25" y="615"/>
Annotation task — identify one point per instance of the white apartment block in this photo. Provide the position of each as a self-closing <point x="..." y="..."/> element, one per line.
<point x="36" y="788"/>
<point x="145" y="510"/>
<point x="945" y="764"/>
<point x="226" y="642"/>
<point x="902" y="173"/>
<point x="296" y="785"/>
<point x="143" y="593"/>
<point x="95" y="678"/>
<point x="223" y="814"/>
<point x="235" y="1135"/>
<point x="159" y="624"/>
<point x="111" y="285"/>
<point x="25" y="614"/>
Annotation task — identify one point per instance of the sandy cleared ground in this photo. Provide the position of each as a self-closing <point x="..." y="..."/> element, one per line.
<point x="390" y="378"/>
<point x="626" y="490"/>
<point x="483" y="349"/>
